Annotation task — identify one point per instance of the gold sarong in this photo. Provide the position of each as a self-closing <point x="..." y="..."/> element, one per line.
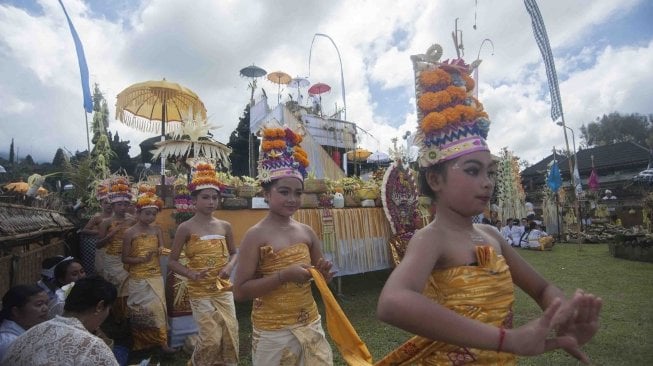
<point x="483" y="292"/>
<point x="212" y="303"/>
<point x="287" y="327"/>
<point x="114" y="269"/>
<point x="146" y="306"/>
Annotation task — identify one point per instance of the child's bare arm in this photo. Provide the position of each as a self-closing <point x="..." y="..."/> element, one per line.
<point x="225" y="272"/>
<point x="317" y="257"/>
<point x="103" y="234"/>
<point x="181" y="236"/>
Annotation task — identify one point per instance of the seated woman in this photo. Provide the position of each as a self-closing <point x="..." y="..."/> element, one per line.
<point x="69" y="339"/>
<point x="57" y="272"/>
<point x="23" y="306"/>
<point x="535" y="238"/>
<point x="66" y="271"/>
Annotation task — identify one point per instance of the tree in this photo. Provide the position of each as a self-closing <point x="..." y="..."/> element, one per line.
<point x="121" y="158"/>
<point x="615" y="127"/>
<point x="239" y="144"/>
<point x="12" y="155"/>
<point x="29" y="161"/>
<point x="59" y="160"/>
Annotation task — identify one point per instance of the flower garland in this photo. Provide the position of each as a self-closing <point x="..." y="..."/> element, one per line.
<point x="433" y="100"/>
<point x="435" y="77"/>
<point x="149" y="200"/>
<point x="205" y="175"/>
<point x="301" y="156"/>
<point x="438" y="120"/>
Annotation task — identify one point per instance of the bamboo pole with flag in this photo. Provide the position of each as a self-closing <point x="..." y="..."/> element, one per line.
<point x="542" y="39"/>
<point x="83" y="71"/>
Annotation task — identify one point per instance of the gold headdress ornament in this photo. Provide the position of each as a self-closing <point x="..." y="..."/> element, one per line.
<point x="281" y="155"/>
<point x="451" y="122"/>
<point x="147" y="197"/>
<point x="119" y="190"/>
<point x="204" y="176"/>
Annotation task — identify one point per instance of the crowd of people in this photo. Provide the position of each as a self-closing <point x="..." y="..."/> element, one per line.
<point x="453" y="289"/>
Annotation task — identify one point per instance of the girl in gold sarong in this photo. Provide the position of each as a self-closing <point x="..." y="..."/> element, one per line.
<point x="208" y="245"/>
<point x="454" y="287"/>
<point x="142" y="245"/>
<point x="274" y="258"/>
<point x="110" y="235"/>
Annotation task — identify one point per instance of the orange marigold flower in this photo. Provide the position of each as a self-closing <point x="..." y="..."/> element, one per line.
<point x="267" y="145"/>
<point x="457" y="93"/>
<point x="434" y="77"/>
<point x="433" y="121"/>
<point x="300" y="151"/>
<point x="469" y="82"/>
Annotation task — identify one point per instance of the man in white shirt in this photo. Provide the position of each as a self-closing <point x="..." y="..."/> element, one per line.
<point x="516" y="232"/>
<point x="506" y="231"/>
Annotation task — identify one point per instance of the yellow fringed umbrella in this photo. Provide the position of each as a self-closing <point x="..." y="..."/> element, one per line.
<point x="152" y="106"/>
<point x="359" y="154"/>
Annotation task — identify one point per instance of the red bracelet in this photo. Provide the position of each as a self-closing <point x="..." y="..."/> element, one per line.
<point x="502" y="336"/>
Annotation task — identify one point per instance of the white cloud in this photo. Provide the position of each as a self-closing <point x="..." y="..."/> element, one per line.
<point x="203" y="44"/>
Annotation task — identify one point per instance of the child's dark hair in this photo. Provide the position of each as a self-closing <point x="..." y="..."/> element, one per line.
<point x="17" y="296"/>
<point x="194" y="193"/>
<point x="61" y="269"/>
<point x="267" y="186"/>
<point x="424" y="188"/>
<point x="88" y="292"/>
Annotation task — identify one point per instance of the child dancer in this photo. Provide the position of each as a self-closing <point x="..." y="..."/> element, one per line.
<point x="208" y="244"/>
<point x="273" y="263"/>
<point x="454" y="287"/>
<point x="111" y="233"/>
<point x="142" y="245"/>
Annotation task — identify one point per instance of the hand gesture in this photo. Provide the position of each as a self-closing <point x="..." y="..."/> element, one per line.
<point x="532" y="338"/>
<point x="202" y="274"/>
<point x="295" y="273"/>
<point x="148" y="257"/>
<point x="583" y="323"/>
<point x="324" y="266"/>
<point x="225" y="272"/>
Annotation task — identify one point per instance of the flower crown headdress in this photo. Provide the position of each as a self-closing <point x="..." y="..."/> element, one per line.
<point x="147" y="197"/>
<point x="204" y="176"/>
<point x="102" y="189"/>
<point x="281" y="155"/>
<point x="451" y="122"/>
<point x="119" y="190"/>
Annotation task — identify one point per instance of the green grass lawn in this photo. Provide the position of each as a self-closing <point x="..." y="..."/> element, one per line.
<point x="625" y="337"/>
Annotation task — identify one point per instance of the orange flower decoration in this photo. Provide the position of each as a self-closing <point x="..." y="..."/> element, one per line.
<point x="434" y="77"/>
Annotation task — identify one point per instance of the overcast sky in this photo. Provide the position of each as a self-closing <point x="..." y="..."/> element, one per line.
<point x="603" y="54"/>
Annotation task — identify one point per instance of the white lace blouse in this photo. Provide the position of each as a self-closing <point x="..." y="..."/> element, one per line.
<point x="59" y="341"/>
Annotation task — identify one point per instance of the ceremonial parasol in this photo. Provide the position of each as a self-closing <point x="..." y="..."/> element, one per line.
<point x="194" y="142"/>
<point x="358" y="154"/>
<point x="318" y="88"/>
<point x="148" y="105"/>
<point x="378" y="157"/>
<point x="252" y="72"/>
<point x="279" y="77"/>
<point x="298" y="83"/>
